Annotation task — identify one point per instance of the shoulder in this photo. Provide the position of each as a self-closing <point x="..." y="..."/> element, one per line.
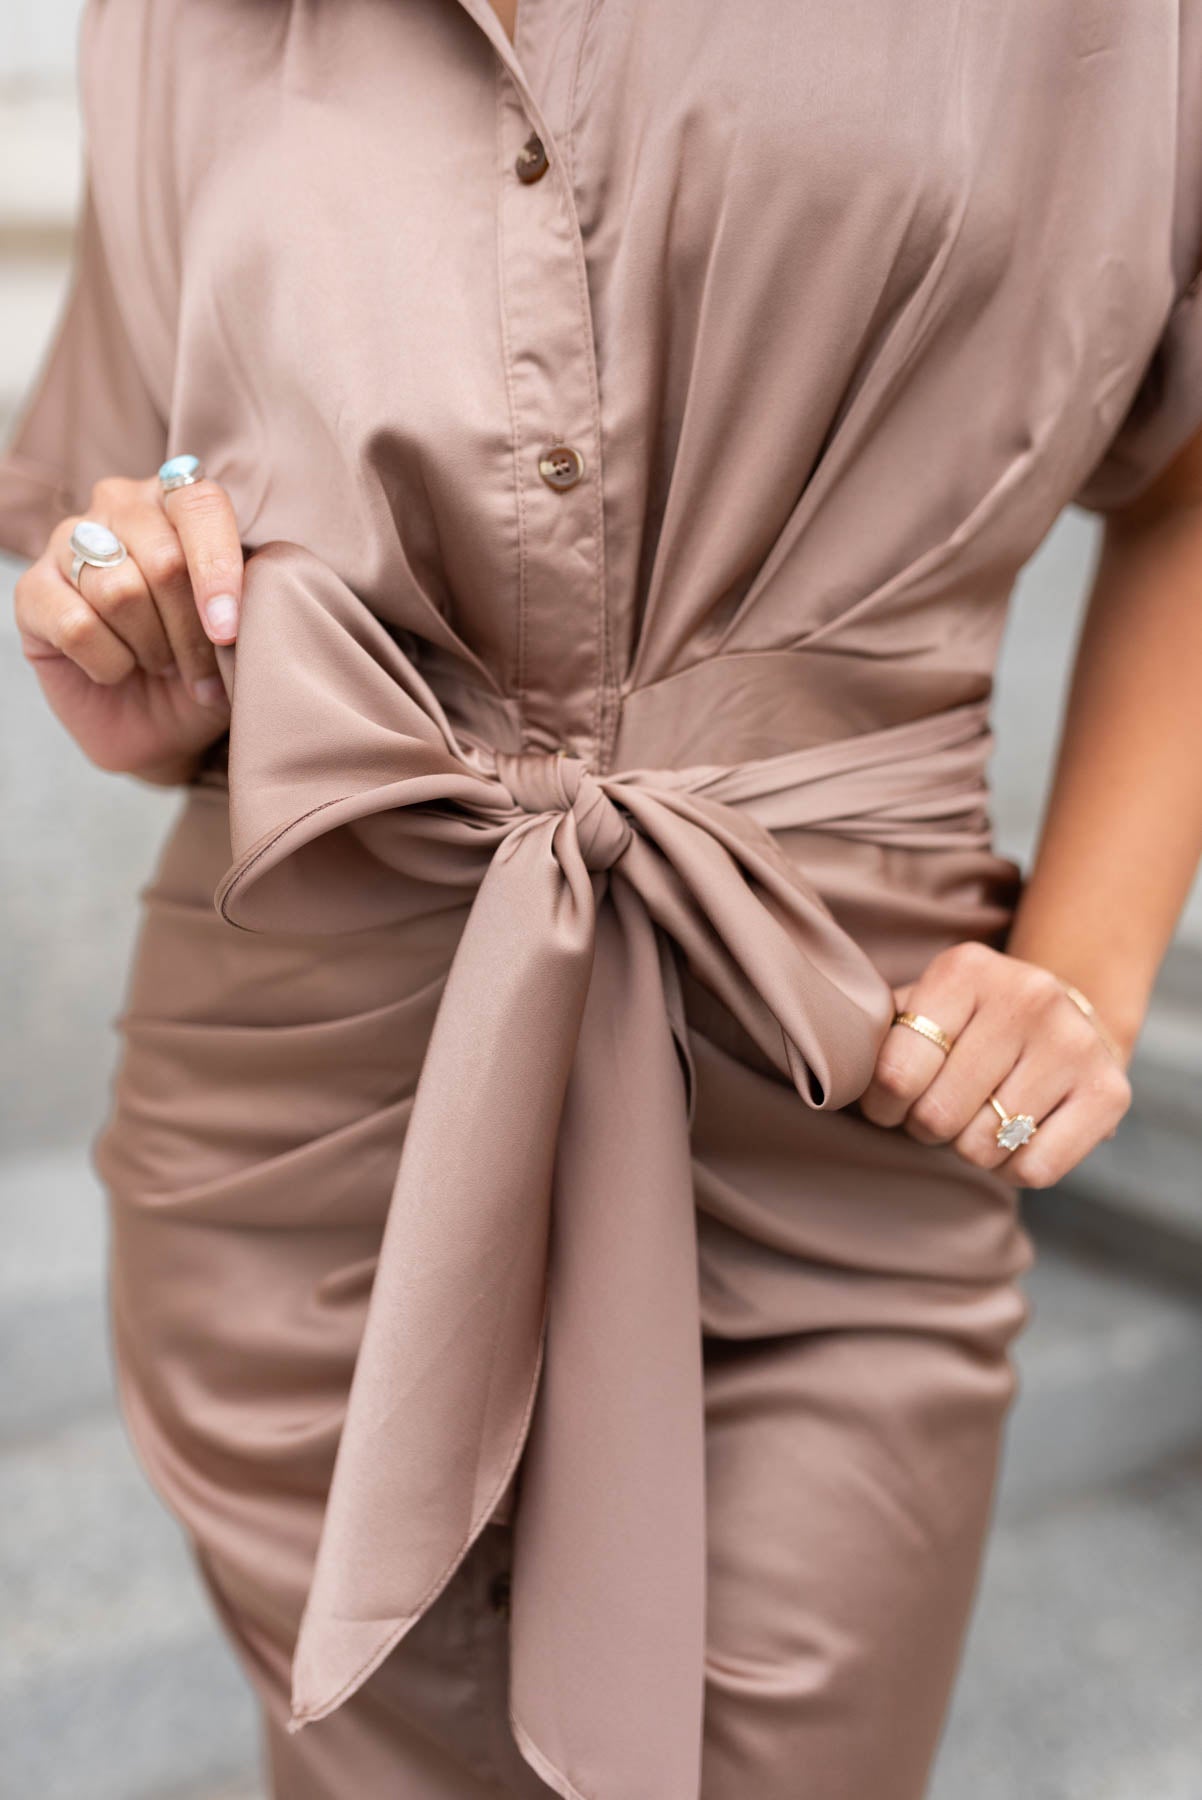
<point x="159" y="79"/>
<point x="135" y="69"/>
<point x="143" y="61"/>
<point x="127" y="59"/>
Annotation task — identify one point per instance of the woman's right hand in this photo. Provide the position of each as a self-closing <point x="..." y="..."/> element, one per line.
<point x="126" y="661"/>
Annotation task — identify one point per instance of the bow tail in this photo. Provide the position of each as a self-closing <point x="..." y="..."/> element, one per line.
<point x="449" y="1362"/>
<point x="608" y="1592"/>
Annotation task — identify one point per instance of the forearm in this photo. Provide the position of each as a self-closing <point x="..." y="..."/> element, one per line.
<point x="1122" y="835"/>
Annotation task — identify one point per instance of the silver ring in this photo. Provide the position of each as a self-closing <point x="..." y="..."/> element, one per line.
<point x="180" y="471"/>
<point x="93" y="545"/>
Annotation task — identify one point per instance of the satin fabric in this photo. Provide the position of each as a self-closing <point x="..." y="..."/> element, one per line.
<point x="855" y="1291"/>
<point x="554" y="967"/>
<point x="840" y="309"/>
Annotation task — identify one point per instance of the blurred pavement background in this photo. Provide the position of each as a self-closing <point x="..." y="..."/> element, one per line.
<point x="1082" y="1680"/>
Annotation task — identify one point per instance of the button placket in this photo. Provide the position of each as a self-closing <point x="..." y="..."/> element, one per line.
<point x="561" y="658"/>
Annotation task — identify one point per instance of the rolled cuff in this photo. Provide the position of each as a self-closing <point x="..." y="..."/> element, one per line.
<point x="1165" y="413"/>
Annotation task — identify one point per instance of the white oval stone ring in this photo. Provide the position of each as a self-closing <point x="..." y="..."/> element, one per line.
<point x="1015" y="1130"/>
<point x="96" y="546"/>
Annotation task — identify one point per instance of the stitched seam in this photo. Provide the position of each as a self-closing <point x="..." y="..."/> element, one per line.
<point x="565" y="169"/>
<point x="610" y="694"/>
<point x="261" y="852"/>
<point x="519" y="693"/>
<point x="582" y="295"/>
<point x="577" y="64"/>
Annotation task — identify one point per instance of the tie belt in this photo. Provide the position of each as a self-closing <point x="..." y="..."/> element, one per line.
<point x="535" y="1296"/>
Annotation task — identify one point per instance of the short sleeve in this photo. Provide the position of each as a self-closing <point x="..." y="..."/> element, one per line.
<point x="1166" y="408"/>
<point x="1165" y="413"/>
<point x="88" y="412"/>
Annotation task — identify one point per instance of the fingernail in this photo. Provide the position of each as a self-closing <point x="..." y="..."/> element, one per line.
<point x="169" y="673"/>
<point x="222" y="614"/>
<point x="209" y="691"/>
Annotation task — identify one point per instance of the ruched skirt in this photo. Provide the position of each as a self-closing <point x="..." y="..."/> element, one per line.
<point x="859" y="1295"/>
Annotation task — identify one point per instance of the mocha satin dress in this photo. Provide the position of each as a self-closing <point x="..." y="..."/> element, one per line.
<point x="635" y="432"/>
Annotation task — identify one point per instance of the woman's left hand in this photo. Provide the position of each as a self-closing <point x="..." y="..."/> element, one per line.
<point x="1015" y="1034"/>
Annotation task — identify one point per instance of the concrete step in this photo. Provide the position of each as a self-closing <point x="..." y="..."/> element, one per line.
<point x="113" y="1680"/>
<point x="53" y="1330"/>
<point x="1108" y="1372"/>
<point x="1081" y="1677"/>
<point x="1139" y="1197"/>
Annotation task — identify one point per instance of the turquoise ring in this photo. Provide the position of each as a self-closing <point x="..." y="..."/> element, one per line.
<point x="180" y="471"/>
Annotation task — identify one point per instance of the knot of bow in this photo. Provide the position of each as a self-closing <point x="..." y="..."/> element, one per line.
<point x="557" y="781"/>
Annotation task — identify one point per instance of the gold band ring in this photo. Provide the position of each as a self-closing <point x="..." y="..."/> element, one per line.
<point x="927" y="1028"/>
<point x="1015" y="1130"/>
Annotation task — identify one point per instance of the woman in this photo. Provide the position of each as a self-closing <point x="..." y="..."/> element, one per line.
<point x="600" y="448"/>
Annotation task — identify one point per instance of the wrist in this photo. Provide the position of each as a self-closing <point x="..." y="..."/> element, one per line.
<point x="1115" y="998"/>
<point x="176" y="771"/>
<point x="1120" y="1048"/>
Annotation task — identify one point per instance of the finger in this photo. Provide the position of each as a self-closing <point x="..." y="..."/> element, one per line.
<point x="905" y="1065"/>
<point x="120" y="597"/>
<point x="1089" y="1112"/>
<point x="1034" y="1087"/>
<point x="1065" y="1139"/>
<point x="1062" y="1055"/>
<point x="1021" y="1013"/>
<point x="155" y="545"/>
<point x="907" y="1062"/>
<point x="54" y="621"/>
<point x="203" y="517"/>
<point x="984" y="1053"/>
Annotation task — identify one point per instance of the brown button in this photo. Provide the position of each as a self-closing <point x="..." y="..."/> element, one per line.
<point x="498" y="1592"/>
<point x="531" y="160"/>
<point x="561" y="466"/>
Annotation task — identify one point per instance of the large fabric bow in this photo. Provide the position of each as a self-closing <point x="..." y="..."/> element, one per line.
<point x="536" y="1297"/>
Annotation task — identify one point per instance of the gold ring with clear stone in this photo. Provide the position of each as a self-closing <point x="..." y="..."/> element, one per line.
<point x="1015" y="1130"/>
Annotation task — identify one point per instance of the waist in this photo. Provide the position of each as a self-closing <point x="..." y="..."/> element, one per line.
<point x="725" y="710"/>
